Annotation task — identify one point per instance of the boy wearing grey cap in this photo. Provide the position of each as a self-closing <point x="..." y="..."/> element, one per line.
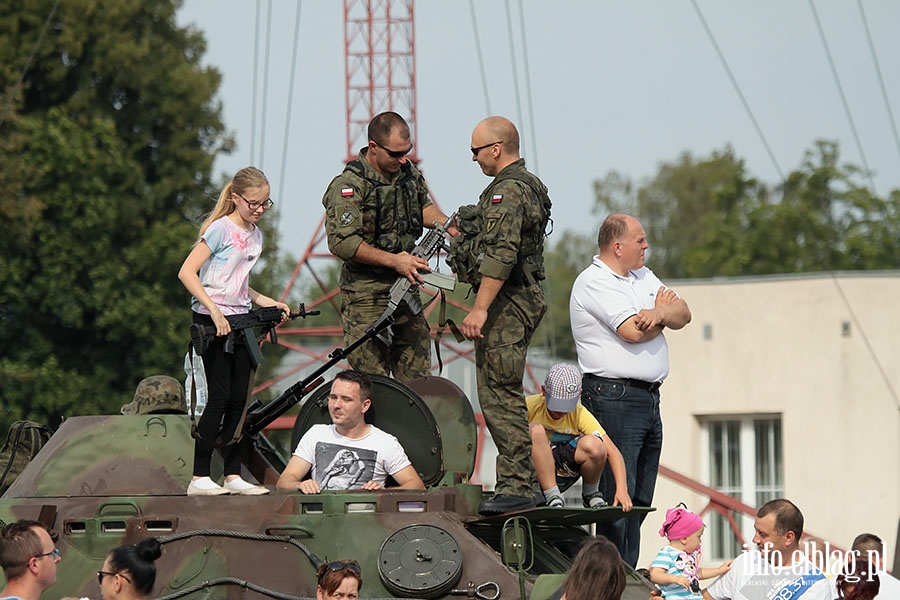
<point x="568" y="442"/>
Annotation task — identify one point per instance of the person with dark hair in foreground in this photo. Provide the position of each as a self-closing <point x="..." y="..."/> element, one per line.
<point x="129" y="572"/>
<point x="29" y="558"/>
<point x="858" y="581"/>
<point x="597" y="573"/>
<point x="339" y="580"/>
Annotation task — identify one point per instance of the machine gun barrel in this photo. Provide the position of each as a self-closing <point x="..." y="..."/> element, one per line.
<point x="259" y="417"/>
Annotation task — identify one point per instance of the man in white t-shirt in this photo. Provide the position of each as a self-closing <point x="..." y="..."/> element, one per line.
<point x="349" y="454"/>
<point x="870" y="547"/>
<point x="779" y="569"/>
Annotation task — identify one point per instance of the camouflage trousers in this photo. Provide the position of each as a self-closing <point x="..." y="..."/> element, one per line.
<point x="500" y="366"/>
<point x="409" y="355"/>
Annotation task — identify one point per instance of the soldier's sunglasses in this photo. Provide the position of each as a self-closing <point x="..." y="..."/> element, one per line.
<point x="395" y="153"/>
<point x="478" y="149"/>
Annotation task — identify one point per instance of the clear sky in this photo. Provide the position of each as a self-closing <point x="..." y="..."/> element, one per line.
<point x="614" y="85"/>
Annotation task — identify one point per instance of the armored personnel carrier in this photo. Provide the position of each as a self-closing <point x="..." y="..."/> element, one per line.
<point x="103" y="481"/>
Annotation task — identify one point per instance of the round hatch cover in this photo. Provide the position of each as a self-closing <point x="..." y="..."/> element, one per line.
<point x="423" y="561"/>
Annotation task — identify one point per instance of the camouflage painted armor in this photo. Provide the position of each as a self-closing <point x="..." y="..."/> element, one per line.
<point x="514" y="210"/>
<point x="158" y="394"/>
<point x="361" y="205"/>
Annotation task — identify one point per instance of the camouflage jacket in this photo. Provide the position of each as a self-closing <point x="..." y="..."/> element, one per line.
<point x="514" y="210"/>
<point x="361" y="205"/>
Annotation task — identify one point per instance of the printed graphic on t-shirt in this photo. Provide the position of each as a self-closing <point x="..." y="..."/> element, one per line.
<point x="342" y="467"/>
<point x="765" y="586"/>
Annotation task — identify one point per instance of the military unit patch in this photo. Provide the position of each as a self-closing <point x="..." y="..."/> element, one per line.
<point x="348" y="215"/>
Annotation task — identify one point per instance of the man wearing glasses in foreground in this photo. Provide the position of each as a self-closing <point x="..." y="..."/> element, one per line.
<point x="29" y="558"/>
<point x="375" y="210"/>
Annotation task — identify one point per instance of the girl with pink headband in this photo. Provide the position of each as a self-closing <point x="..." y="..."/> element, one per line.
<point x="676" y="569"/>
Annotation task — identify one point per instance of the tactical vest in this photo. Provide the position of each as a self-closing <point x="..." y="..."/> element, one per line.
<point x="391" y="215"/>
<point x="467" y="249"/>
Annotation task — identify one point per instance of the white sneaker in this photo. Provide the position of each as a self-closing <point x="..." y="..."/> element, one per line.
<point x="205" y="487"/>
<point x="242" y="488"/>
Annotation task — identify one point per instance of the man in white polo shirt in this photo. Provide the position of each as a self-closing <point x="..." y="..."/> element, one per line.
<point x="618" y="311"/>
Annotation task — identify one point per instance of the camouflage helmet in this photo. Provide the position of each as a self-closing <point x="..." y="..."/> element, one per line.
<point x="157" y="394"/>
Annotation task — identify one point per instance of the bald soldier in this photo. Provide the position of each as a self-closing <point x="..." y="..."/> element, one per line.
<point x="504" y="262"/>
<point x="374" y="213"/>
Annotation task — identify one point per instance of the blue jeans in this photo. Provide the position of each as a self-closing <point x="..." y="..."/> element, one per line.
<point x="630" y="416"/>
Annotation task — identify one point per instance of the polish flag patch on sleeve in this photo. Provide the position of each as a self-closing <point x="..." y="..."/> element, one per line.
<point x="496" y="198"/>
<point x="346" y="192"/>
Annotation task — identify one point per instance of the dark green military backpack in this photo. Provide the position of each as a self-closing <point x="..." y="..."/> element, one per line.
<point x="23" y="442"/>
<point x="466" y="249"/>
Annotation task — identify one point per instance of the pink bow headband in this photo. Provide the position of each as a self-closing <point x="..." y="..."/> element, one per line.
<point x="680" y="523"/>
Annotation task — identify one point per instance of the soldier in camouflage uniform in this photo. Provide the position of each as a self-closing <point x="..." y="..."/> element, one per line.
<point x="155" y="395"/>
<point x="512" y="215"/>
<point x="374" y="213"/>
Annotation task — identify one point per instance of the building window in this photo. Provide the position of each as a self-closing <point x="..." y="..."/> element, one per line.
<point x="746" y="462"/>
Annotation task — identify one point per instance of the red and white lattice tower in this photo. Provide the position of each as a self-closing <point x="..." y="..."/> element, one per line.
<point x="380" y="66"/>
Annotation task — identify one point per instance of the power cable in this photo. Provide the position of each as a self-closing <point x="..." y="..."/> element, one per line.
<point x="255" y="86"/>
<point x="512" y="57"/>
<point x="265" y="88"/>
<point x="484" y="85"/>
<point x="884" y="94"/>
<point x="872" y="354"/>
<point x="737" y="89"/>
<point x="549" y="338"/>
<point x="527" y="70"/>
<point x="837" y="82"/>
<point x="290" y="103"/>
<point x="37" y="45"/>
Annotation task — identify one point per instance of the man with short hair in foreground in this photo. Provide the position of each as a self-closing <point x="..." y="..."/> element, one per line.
<point x="779" y="569"/>
<point x="29" y="558"/>
<point x="349" y="454"/>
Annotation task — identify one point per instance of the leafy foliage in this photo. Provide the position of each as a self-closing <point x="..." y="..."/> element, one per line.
<point x="106" y="152"/>
<point x="708" y="217"/>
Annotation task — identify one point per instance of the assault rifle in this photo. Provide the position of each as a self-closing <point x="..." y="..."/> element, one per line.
<point x="266" y="318"/>
<point x="404" y="290"/>
<point x="259" y="416"/>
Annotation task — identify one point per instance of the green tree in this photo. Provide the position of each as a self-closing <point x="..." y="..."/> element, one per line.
<point x="563" y="261"/>
<point x="106" y="152"/>
<point x="708" y="217"/>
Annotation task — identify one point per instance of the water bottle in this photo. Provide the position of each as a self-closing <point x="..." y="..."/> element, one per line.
<point x="195" y="374"/>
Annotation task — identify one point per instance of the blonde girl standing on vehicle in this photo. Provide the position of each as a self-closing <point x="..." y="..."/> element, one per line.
<point x="217" y="273"/>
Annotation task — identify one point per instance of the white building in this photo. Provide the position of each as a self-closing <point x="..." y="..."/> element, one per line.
<point x="786" y="386"/>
